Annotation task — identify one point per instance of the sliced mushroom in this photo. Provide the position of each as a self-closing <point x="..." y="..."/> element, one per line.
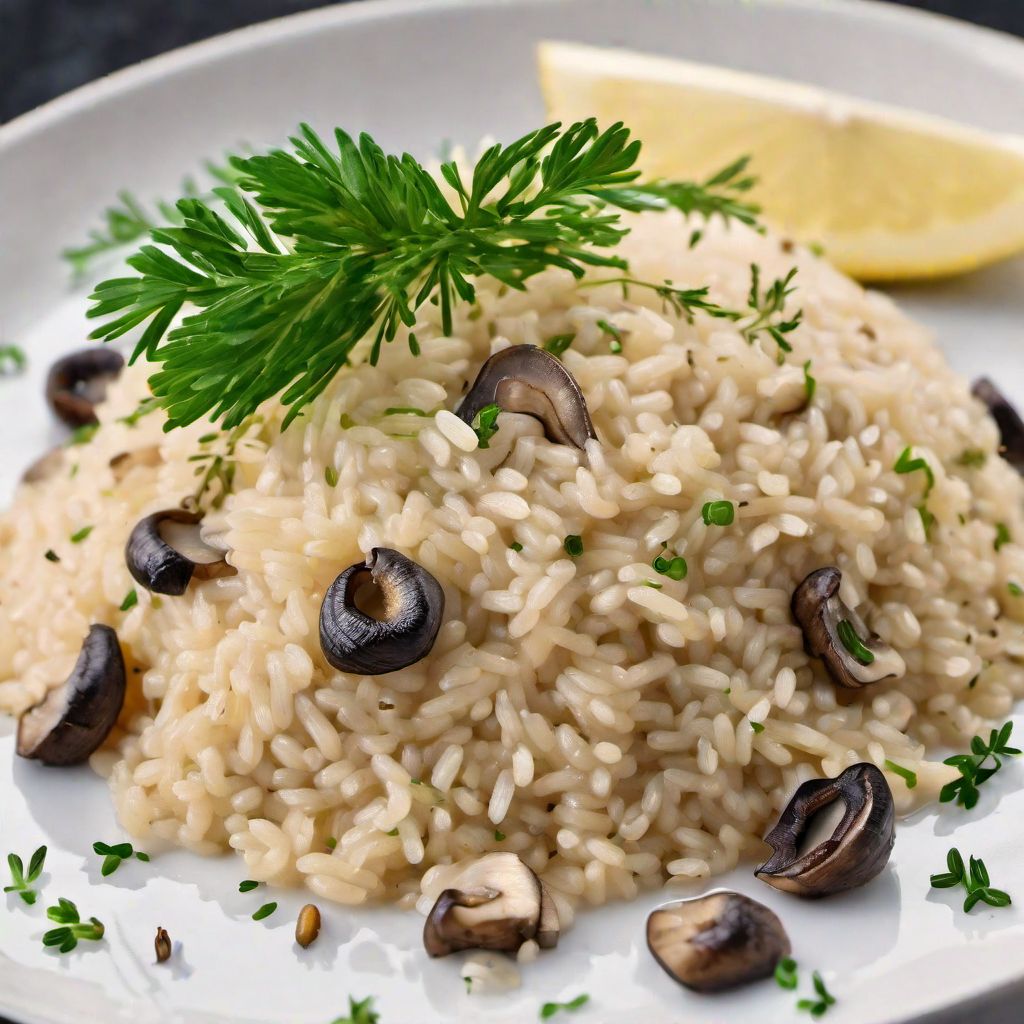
<point x="549" y="928"/>
<point x="78" y="383"/>
<point x="495" y="904"/>
<point x="1011" y="427"/>
<point x="166" y="551"/>
<point x="77" y="716"/>
<point x="835" y="834"/>
<point x="124" y="462"/>
<point x="44" y="467"/>
<point x="826" y="621"/>
<point x="716" y="941"/>
<point x="526" y="379"/>
<point x="412" y="607"/>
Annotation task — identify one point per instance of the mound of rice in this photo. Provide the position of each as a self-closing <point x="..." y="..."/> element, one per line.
<point x="598" y="727"/>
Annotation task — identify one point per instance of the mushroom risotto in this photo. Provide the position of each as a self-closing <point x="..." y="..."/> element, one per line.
<point x="555" y="602"/>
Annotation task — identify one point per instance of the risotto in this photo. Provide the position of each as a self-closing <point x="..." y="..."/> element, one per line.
<point x="618" y="692"/>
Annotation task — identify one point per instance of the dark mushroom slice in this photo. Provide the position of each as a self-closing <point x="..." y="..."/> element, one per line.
<point x="495" y="903"/>
<point x="166" y="551"/>
<point x="549" y="928"/>
<point x="1011" y="427"/>
<point x="835" y="834"/>
<point x="716" y="941"/>
<point x="526" y="379"/>
<point x="44" y="467"/>
<point x="834" y="632"/>
<point x="73" y="719"/>
<point x="412" y="605"/>
<point x="78" y="382"/>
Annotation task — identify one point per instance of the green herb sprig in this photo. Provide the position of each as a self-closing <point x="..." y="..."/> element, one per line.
<point x="908" y="776"/>
<point x="371" y="238"/>
<point x="973" y="769"/>
<point x="768" y="311"/>
<point x="114" y="856"/>
<point x="548" y="1010"/>
<point x="819" y="1006"/>
<point x="361" y="1012"/>
<point x="485" y="423"/>
<point x="72" y="927"/>
<point x="975" y="881"/>
<point x="21" y="880"/>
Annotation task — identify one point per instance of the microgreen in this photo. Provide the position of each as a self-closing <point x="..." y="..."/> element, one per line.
<point x="972" y="767"/>
<point x="817" y="1007"/>
<point x="718" y="513"/>
<point x="974" y="879"/>
<point x="909" y="777"/>
<point x="12" y="361"/>
<point x="853" y="643"/>
<point x="485" y="423"/>
<point x="370" y="239"/>
<point x="114" y="855"/>
<point x="265" y="911"/>
<point x="785" y="973"/>
<point x="248" y="885"/>
<point x="548" y="1010"/>
<point x="359" y="1013"/>
<point x="21" y="880"/>
<point x="674" y="568"/>
<point x="72" y="928"/>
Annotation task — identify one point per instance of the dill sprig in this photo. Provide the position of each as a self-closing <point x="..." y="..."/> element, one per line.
<point x="319" y="247"/>
<point x="974" y="880"/>
<point x="768" y="310"/>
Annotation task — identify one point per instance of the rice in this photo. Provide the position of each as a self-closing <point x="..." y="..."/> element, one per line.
<point x="598" y="727"/>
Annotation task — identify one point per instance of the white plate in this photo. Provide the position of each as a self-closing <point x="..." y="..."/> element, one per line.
<point x="415" y="74"/>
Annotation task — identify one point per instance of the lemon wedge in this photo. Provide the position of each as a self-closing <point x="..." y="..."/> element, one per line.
<point x="890" y="194"/>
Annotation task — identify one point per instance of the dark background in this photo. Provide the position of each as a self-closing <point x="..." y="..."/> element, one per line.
<point x="50" y="46"/>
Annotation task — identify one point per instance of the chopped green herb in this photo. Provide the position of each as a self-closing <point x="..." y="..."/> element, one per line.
<point x="516" y="546"/>
<point x="810" y="383"/>
<point x="485" y="423"/>
<point x="83" y="435"/>
<point x="77" y="538"/>
<point x="331" y="476"/>
<point x="927" y="520"/>
<point x="614" y="333"/>
<point x="816" y="249"/>
<point x="114" y="855"/>
<point x="817" y="1007"/>
<point x="51" y="556"/>
<point x="359" y="1013"/>
<point x="972" y="767"/>
<point x="1002" y="536"/>
<point x="144" y="408"/>
<point x="65" y="938"/>
<point x="695" y="236"/>
<point x="330" y="842"/>
<point x="265" y="911"/>
<point x="131" y="599"/>
<point x="674" y="568"/>
<point x="405" y="410"/>
<point x="548" y="1010"/>
<point x="651" y="584"/>
<point x="905" y="464"/>
<point x="12" y="361"/>
<point x="904" y="773"/>
<point x="346" y="422"/>
<point x="559" y="343"/>
<point x="499" y="836"/>
<point x="853" y="643"/>
<point x="767" y="309"/>
<point x="757" y="727"/>
<point x="573" y="545"/>
<point x="144" y="857"/>
<point x="718" y="513"/>
<point x="975" y="881"/>
<point x="21" y="880"/>
<point x="468" y="982"/>
<point x="785" y="973"/>
<point x="973" y="458"/>
<point x="248" y="885"/>
<point x="393" y="832"/>
<point x="1015" y="589"/>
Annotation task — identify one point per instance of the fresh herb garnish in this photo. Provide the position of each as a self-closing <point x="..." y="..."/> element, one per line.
<point x="1015" y="589"/>
<point x="909" y="777"/>
<point x="674" y="568"/>
<point x="114" y="855"/>
<point x="573" y="545"/>
<point x="371" y="239"/>
<point x="905" y="464"/>
<point x="559" y="343"/>
<point x="1002" y="536"/>
<point x="12" y="360"/>
<point x="21" y="880"/>
<point x="50" y="555"/>
<point x="80" y="535"/>
<point x="485" y="423"/>
<point x="817" y="1007"/>
<point x="785" y="973"/>
<point x="975" y="881"/>
<point x="927" y="520"/>
<point x="499" y="836"/>
<point x="548" y="1010"/>
<point x="516" y="546"/>
<point x="216" y="470"/>
<point x="853" y="643"/>
<point x="810" y="384"/>
<point x="405" y="410"/>
<point x="614" y="333"/>
<point x="768" y="310"/>
<point x="265" y="911"/>
<point x="757" y="727"/>
<point x="718" y="513"/>
<point x="131" y="599"/>
<point x="66" y="937"/>
<point x="83" y="434"/>
<point x="651" y="584"/>
<point x="248" y="885"/>
<point x="359" y="1013"/>
<point x="330" y="842"/>
<point x="972" y="767"/>
<point x="973" y="458"/>
<point x="331" y="476"/>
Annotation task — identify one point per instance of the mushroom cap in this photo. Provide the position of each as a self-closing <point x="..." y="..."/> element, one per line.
<point x="73" y="719"/>
<point x="494" y="903"/>
<point x="165" y="551"/>
<point x="716" y="941"/>
<point x="857" y="849"/>
<point x="1011" y="427"/>
<point x="526" y="379"/>
<point x="77" y="383"/>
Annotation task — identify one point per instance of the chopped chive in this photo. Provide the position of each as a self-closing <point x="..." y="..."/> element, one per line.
<point x="405" y="410"/>
<point x="905" y="464"/>
<point x="853" y="643"/>
<point x="559" y="343"/>
<point x="757" y="727"/>
<point x="1002" y="536"/>
<point x="718" y="513"/>
<point x="77" y="538"/>
<point x="785" y="973"/>
<point x="130" y="601"/>
<point x="573" y="545"/>
<point x="810" y="383"/>
<point x="265" y="911"/>
<point x="615" y="345"/>
<point x="905" y="773"/>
